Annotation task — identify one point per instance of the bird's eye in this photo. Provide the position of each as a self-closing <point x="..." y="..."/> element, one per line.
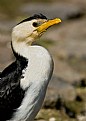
<point x="35" y="24"/>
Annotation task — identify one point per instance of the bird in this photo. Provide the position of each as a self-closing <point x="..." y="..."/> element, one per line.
<point x="23" y="83"/>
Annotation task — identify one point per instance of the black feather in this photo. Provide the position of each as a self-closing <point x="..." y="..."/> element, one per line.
<point x="36" y="16"/>
<point x="11" y="94"/>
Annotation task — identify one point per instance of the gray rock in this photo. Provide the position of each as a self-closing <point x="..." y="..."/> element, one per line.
<point x="58" y="88"/>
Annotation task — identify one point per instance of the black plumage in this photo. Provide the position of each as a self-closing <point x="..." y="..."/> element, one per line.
<point x="35" y="16"/>
<point x="11" y="94"/>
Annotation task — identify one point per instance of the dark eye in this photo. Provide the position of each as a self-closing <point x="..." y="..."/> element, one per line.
<point x="35" y="24"/>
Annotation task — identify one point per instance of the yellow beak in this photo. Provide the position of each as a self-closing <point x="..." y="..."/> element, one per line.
<point x="47" y="24"/>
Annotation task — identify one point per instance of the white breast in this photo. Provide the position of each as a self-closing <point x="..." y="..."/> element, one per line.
<point x="36" y="79"/>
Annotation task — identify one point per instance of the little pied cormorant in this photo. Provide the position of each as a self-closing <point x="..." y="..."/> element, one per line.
<point x="23" y="84"/>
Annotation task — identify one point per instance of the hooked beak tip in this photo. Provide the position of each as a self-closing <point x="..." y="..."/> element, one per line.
<point x="48" y="24"/>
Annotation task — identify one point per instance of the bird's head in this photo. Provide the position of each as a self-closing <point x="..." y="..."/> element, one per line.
<point x="31" y="28"/>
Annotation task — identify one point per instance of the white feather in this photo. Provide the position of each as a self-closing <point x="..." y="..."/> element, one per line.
<point x="36" y="79"/>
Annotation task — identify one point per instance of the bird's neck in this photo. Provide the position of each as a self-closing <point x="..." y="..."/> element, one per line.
<point x="39" y="62"/>
<point x="20" y="48"/>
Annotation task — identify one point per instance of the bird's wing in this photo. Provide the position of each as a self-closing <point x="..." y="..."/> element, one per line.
<point x="9" y="79"/>
<point x="11" y="94"/>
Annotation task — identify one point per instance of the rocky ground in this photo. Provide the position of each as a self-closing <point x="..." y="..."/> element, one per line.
<point x="66" y="95"/>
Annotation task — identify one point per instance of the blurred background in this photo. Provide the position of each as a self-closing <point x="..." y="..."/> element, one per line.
<point x="66" y="95"/>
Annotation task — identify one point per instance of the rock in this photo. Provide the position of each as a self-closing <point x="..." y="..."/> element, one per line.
<point x="63" y="70"/>
<point x="40" y="120"/>
<point x="81" y="83"/>
<point x="81" y="118"/>
<point x="52" y="119"/>
<point x="56" y="88"/>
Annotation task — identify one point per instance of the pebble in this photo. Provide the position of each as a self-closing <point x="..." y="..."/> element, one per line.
<point x="52" y="119"/>
<point x="81" y="118"/>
